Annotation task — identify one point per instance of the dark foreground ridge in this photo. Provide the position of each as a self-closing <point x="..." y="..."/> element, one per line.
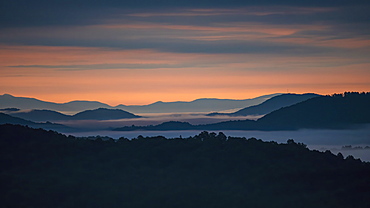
<point x="46" y="169"/>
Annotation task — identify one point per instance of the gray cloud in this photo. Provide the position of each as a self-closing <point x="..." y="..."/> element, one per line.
<point x="103" y="66"/>
<point x="192" y="46"/>
<point x="25" y="13"/>
<point x="61" y="23"/>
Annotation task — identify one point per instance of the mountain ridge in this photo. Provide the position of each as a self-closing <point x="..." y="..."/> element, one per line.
<point x="47" y="169"/>
<point x="8" y="119"/>
<point x="10" y="101"/>
<point x="198" y="105"/>
<point x="95" y="114"/>
<point x="338" y="111"/>
<point x="270" y="105"/>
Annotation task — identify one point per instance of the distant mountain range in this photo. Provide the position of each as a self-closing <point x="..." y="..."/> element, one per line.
<point x="9" y="101"/>
<point x="270" y="105"/>
<point x="199" y="105"/>
<point x="103" y="114"/>
<point x="8" y="119"/>
<point x="49" y="115"/>
<point x="335" y="112"/>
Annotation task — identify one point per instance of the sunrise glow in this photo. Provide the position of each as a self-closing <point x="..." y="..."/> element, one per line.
<point x="135" y="57"/>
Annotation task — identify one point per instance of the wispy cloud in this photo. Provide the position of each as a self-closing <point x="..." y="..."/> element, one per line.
<point x="182" y="50"/>
<point x="247" y="11"/>
<point x="106" y="66"/>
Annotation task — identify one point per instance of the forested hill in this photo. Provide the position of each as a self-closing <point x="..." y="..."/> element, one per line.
<point x="45" y="169"/>
<point x="336" y="111"/>
<point x="7" y="119"/>
<point x="270" y="105"/>
<point x="96" y="114"/>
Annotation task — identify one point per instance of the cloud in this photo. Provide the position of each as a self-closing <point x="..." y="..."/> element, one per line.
<point x="232" y="38"/>
<point x="25" y="13"/>
<point x="247" y="11"/>
<point x="193" y="46"/>
<point x="104" y="66"/>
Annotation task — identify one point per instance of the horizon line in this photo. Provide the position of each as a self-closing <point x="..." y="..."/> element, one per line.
<point x="159" y="101"/>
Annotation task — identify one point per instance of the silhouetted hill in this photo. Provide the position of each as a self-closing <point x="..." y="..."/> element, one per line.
<point x="7" y="119"/>
<point x="199" y="105"/>
<point x="97" y="114"/>
<point x="42" y="115"/>
<point x="172" y="125"/>
<point x="9" y="101"/>
<point x="337" y="111"/>
<point x="166" y="126"/>
<point x="45" y="169"/>
<point x="10" y="109"/>
<point x="80" y="105"/>
<point x="103" y="114"/>
<point x="177" y="125"/>
<point x="270" y="105"/>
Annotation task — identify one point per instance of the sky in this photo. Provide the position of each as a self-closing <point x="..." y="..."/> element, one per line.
<point x="143" y="51"/>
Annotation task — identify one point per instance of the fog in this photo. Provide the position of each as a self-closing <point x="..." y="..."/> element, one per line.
<point x="321" y="140"/>
<point x="153" y="119"/>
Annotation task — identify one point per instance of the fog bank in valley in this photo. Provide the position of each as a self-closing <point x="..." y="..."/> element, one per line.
<point x="321" y="140"/>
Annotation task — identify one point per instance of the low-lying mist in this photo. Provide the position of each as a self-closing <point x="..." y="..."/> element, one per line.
<point x="152" y="119"/>
<point x="322" y="140"/>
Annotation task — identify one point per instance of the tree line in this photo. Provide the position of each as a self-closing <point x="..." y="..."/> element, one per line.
<point x="42" y="168"/>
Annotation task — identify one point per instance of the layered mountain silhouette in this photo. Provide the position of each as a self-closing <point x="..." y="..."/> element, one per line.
<point x="270" y="105"/>
<point x="97" y="114"/>
<point x="10" y="109"/>
<point x="5" y="118"/>
<point x="9" y="101"/>
<point x="103" y="114"/>
<point x="199" y="105"/>
<point x="41" y="115"/>
<point x="337" y="111"/>
<point x="8" y="119"/>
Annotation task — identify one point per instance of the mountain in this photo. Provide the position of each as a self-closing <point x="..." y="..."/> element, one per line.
<point x="103" y="114"/>
<point x="42" y="115"/>
<point x="97" y="114"/>
<point x="165" y="126"/>
<point x="178" y="126"/>
<point x="270" y="105"/>
<point x="46" y="169"/>
<point x="5" y="118"/>
<point x="199" y="105"/>
<point x="321" y="112"/>
<point x="8" y="119"/>
<point x="85" y="105"/>
<point x="9" y="109"/>
<point x="336" y="111"/>
<point x="9" y="101"/>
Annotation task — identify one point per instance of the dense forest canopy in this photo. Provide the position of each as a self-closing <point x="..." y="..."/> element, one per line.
<point x="47" y="169"/>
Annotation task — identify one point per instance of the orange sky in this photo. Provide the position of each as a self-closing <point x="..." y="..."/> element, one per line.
<point x="142" y="86"/>
<point x="143" y="57"/>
